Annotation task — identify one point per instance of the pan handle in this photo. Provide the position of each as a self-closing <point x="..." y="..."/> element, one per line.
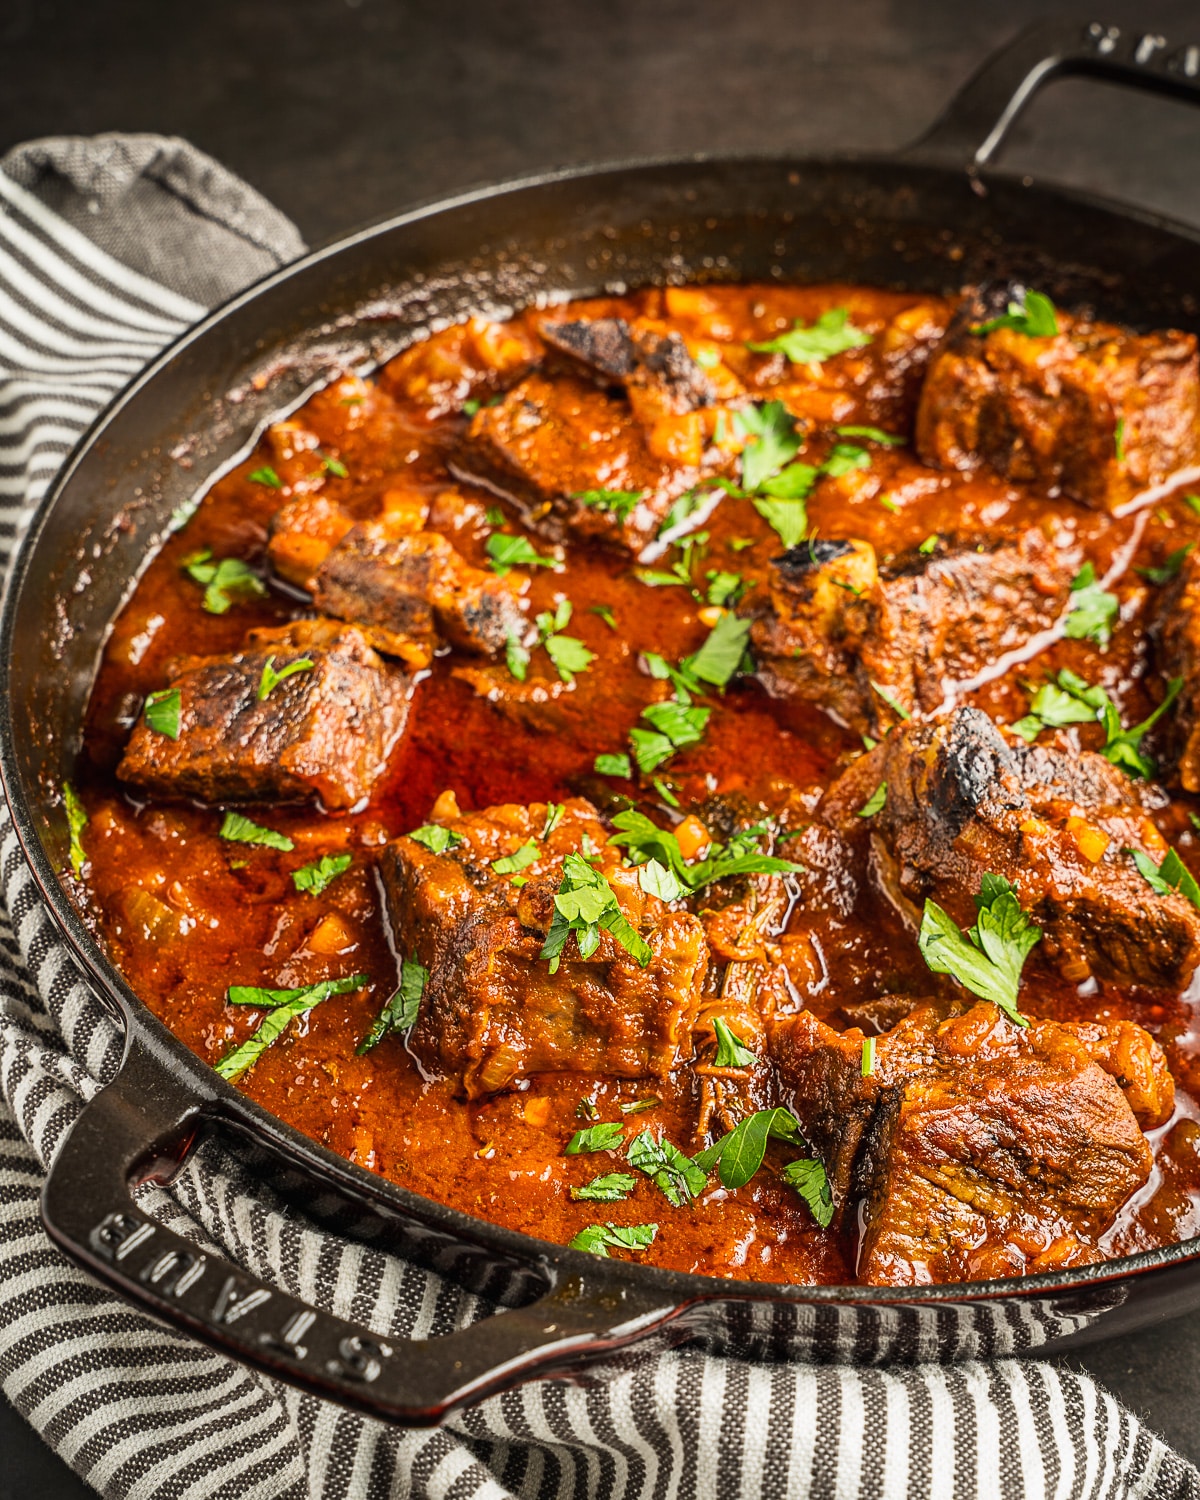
<point x="141" y="1129"/>
<point x="974" y="124"/>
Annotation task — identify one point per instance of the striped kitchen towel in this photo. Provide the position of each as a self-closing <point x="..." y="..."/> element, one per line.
<point x="108" y="248"/>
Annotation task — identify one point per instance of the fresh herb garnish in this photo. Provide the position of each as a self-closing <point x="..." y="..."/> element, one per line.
<point x="645" y="841"/>
<point x="605" y="614"/>
<point x="1070" y="700"/>
<point x="508" y="552"/>
<point x="611" y="1188"/>
<point x="554" y="812"/>
<point x="1093" y="609"/>
<point x="470" y="406"/>
<point x="1171" y="875"/>
<point x="788" y="519"/>
<point x="874" y="802"/>
<point x="516" y="657"/>
<point x="844" y="458"/>
<point x="873" y="435"/>
<point x="335" y="467"/>
<point x="599" y="1239"/>
<point x="617" y="502"/>
<point x="240" y="830"/>
<point x="664" y="791"/>
<point x="614" y="765"/>
<point x="1119" y="441"/>
<point x="221" y="579"/>
<point x="266" y="475"/>
<point x="724" y="589"/>
<point x="988" y="957"/>
<point x="892" y="702"/>
<point x="638" y="1106"/>
<point x="586" y="905"/>
<point x="808" y="1177"/>
<point x="163" y="711"/>
<point x="436" y="838"/>
<point x="674" y="726"/>
<point x="775" y="441"/>
<point x="929" y="544"/>
<point x="1168" y="568"/>
<point x="831" y="334"/>
<point x="520" y="859"/>
<point x="1034" y="315"/>
<point x="1193" y="503"/>
<point x="739" y="1154"/>
<point x="606" y="1137"/>
<point x="568" y="654"/>
<point x="271" y="679"/>
<point x="868" y="1056"/>
<point x="319" y="875"/>
<point x="674" y="1174"/>
<point x="722" y="653"/>
<point x="400" y="1012"/>
<point x="286" y="1006"/>
<point x="731" y="1051"/>
<point x="76" y="822"/>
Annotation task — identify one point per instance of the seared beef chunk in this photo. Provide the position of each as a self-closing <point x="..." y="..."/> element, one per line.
<point x="468" y="360"/>
<point x="492" y="1011"/>
<point x="980" y="1148"/>
<point x="962" y="801"/>
<point x="1179" y="641"/>
<point x="404" y="589"/>
<point x="845" y="633"/>
<point x="325" y="730"/>
<point x="1096" y="411"/>
<point x="549" y="441"/>
<point x="651" y="362"/>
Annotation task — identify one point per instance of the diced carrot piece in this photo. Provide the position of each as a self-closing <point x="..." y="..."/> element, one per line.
<point x="693" y="836"/>
<point x="446" y="808"/>
<point x="536" y="1111"/>
<point x="331" y="935"/>
<point x="1092" y="842"/>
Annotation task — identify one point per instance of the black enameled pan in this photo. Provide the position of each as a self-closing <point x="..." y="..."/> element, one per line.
<point x="930" y="218"/>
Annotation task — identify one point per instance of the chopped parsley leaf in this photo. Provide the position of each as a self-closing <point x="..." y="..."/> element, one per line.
<point x="271" y="679"/>
<point x="1070" y="700"/>
<point x="832" y="333"/>
<point x="788" y="519"/>
<point x="605" y="614"/>
<point x="929" y="544"/>
<point x="516" y="657"/>
<point x="163" y="711"/>
<point x="1192" y="502"/>
<point x="241" y="830"/>
<point x="739" y="1154"/>
<point x="1171" y="875"/>
<point x="808" y="1177"/>
<point x="740" y="543"/>
<point x="665" y="792"/>
<point x="221" y="579"/>
<point x="586" y="905"/>
<point x="868" y="1056"/>
<point x="1119" y="441"/>
<point x="618" y="503"/>
<point x="892" y="702"/>
<point x="775" y="441"/>
<point x="1033" y="315"/>
<point x="611" y="1188"/>
<point x="470" y="406"/>
<point x="77" y="819"/>
<point x="844" y="458"/>
<point x="266" y="475"/>
<point x="874" y="802"/>
<point x="508" y="552"/>
<point x="520" y="859"/>
<point x="569" y="655"/>
<point x="731" y="1052"/>
<point x="606" y="1137"/>
<point x="286" y="1006"/>
<point x="675" y="1176"/>
<point x="436" y="838"/>
<point x="1167" y="569"/>
<point x="599" y="1239"/>
<point x="988" y="957"/>
<point x="614" y="765"/>
<point x="335" y="467"/>
<point x="494" y="516"/>
<point x="318" y="876"/>
<point x="645" y="841"/>
<point x="400" y="1012"/>
<point x="721" y="655"/>
<point x="656" y="880"/>
<point x="554" y="812"/>
<point x="724" y="589"/>
<point x="873" y="435"/>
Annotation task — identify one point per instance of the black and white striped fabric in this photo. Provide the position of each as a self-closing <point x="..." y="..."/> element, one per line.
<point x="108" y="248"/>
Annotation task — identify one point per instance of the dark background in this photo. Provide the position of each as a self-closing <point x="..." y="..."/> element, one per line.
<point x="343" y="111"/>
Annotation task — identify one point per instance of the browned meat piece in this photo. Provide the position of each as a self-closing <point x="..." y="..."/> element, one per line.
<point x="492" y="1011"/>
<point x="849" y="635"/>
<point x="404" y="589"/>
<point x="650" y="362"/>
<point x="470" y="359"/>
<point x="303" y="533"/>
<point x="1096" y="412"/>
<point x="1179" y="651"/>
<point x="962" y="800"/>
<point x="980" y="1149"/>
<point x="326" y="730"/>
<point x="549" y="441"/>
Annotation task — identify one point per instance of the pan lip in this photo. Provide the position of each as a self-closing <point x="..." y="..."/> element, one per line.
<point x="213" y="1096"/>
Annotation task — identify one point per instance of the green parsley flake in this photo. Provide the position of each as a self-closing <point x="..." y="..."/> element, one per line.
<point x="731" y="1051"/>
<point x="399" y="1014"/>
<point x="739" y="1154"/>
<point x="163" y="711"/>
<point x="868" y="1056"/>
<point x="334" y="467"/>
<point x="436" y="838"/>
<point x="1033" y="315"/>
<point x="874" y="802"/>
<point x="318" y="876"/>
<point x="220" y="580"/>
<point x="606" y="1137"/>
<point x="520" y="859"/>
<point x="832" y="333"/>
<point x="271" y="678"/>
<point x="516" y="657"/>
<point x="893" y="703"/>
<point x="599" y="1239"/>
<point x="775" y="441"/>
<point x="285" y="1005"/>
<point x="605" y="614"/>
<point x="929" y="544"/>
<point x="675" y="1175"/>
<point x="1168" y="568"/>
<point x="645" y="841"/>
<point x="873" y="435"/>
<point x="808" y="1177"/>
<point x="77" y="819"/>
<point x="1070" y="700"/>
<point x="618" y="503"/>
<point x="788" y="519"/>
<point x="586" y="905"/>
<point x="722" y="653"/>
<point x="1172" y="875"/>
<point x="266" y="475"/>
<point x="1119" y="441"/>
<point x="508" y="552"/>
<point x="241" y="830"/>
<point x="611" y="1188"/>
<point x="614" y="765"/>
<point x="988" y="957"/>
<point x="639" y="1106"/>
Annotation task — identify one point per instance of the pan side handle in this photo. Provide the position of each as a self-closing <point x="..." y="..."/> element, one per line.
<point x="141" y="1129"/>
<point x="974" y="124"/>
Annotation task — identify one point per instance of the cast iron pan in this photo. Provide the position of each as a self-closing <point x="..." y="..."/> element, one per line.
<point x="930" y="218"/>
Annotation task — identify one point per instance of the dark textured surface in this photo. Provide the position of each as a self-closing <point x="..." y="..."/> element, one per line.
<point x="343" y="111"/>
